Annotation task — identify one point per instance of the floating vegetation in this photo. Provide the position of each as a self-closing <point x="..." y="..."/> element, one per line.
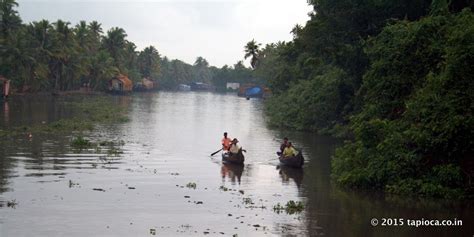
<point x="114" y="151"/>
<point x="223" y="188"/>
<point x="112" y="148"/>
<point x="247" y="201"/>
<point x="72" y="184"/>
<point x="81" y="143"/>
<point x="191" y="185"/>
<point x="291" y="207"/>
<point x="13" y="203"/>
<point x="87" y="112"/>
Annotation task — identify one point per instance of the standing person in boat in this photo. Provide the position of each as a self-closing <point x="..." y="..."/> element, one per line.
<point x="283" y="146"/>
<point x="226" y="142"/>
<point x="289" y="151"/>
<point x="234" y="147"/>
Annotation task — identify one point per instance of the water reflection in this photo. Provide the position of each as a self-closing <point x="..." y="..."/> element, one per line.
<point x="233" y="172"/>
<point x="6" y="112"/>
<point x="289" y="173"/>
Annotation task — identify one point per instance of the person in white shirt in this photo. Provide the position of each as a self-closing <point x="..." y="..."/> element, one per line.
<point x="234" y="147"/>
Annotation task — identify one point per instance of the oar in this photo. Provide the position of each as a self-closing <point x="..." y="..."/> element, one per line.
<point x="216" y="152"/>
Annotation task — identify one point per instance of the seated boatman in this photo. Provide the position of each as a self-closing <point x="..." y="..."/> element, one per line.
<point x="226" y="142"/>
<point x="289" y="151"/>
<point x="283" y="146"/>
<point x="234" y="147"/>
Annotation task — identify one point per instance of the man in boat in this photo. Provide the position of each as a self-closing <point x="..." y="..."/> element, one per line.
<point x="226" y="142"/>
<point x="289" y="151"/>
<point x="234" y="147"/>
<point x="283" y="146"/>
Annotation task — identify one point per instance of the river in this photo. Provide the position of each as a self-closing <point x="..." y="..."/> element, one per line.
<point x="162" y="180"/>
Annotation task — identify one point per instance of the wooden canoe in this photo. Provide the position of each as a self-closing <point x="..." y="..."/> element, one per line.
<point x="293" y="161"/>
<point x="228" y="157"/>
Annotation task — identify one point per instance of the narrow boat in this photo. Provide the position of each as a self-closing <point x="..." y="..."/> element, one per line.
<point x="293" y="161"/>
<point x="228" y="157"/>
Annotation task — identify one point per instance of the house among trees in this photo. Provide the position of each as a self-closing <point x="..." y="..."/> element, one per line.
<point x="120" y="84"/>
<point x="232" y="85"/>
<point x="5" y="86"/>
<point x="146" y="85"/>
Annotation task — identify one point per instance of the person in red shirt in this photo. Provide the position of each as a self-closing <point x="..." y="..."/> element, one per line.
<point x="226" y="141"/>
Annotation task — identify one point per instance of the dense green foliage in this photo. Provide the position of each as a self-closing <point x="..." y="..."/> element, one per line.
<point x="44" y="56"/>
<point x="397" y="76"/>
<point x="415" y="131"/>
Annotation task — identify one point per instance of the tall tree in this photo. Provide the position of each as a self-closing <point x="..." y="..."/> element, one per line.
<point x="149" y="62"/>
<point x="10" y="20"/>
<point x="251" y="50"/>
<point x="115" y="43"/>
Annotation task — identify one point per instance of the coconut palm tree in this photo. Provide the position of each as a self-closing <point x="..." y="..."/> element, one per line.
<point x="252" y="50"/>
<point x="149" y="61"/>
<point x="115" y="44"/>
<point x="95" y="32"/>
<point x="9" y="18"/>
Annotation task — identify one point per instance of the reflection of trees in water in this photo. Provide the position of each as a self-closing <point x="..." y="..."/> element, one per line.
<point x="336" y="211"/>
<point x="287" y="173"/>
<point x="232" y="171"/>
<point x="6" y="167"/>
<point x="314" y="183"/>
<point x="6" y="113"/>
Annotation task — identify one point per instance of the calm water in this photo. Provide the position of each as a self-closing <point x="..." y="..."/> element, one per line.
<point x="61" y="191"/>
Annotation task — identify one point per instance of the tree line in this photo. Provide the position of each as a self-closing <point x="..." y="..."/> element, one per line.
<point x="395" y="78"/>
<point x="55" y="56"/>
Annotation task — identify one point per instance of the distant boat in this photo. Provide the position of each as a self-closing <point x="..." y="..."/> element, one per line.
<point x="228" y="157"/>
<point x="250" y="90"/>
<point x="200" y="86"/>
<point x="184" y="87"/>
<point x="254" y="92"/>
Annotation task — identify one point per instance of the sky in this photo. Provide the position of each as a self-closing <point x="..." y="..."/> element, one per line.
<point x="182" y="29"/>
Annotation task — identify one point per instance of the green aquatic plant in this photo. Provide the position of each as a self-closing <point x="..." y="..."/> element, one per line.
<point x="81" y="142"/>
<point x="86" y="113"/>
<point x="191" y="185"/>
<point x="294" y="207"/>
<point x="114" y="151"/>
<point x="13" y="203"/>
<point x="247" y="201"/>
<point x="291" y="207"/>
<point x="223" y="188"/>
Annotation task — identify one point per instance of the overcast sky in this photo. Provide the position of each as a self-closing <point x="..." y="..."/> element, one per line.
<point x="184" y="29"/>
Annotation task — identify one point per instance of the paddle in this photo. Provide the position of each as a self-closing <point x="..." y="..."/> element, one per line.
<point x="216" y="152"/>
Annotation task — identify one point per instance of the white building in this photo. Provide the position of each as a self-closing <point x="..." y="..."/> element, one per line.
<point x="233" y="85"/>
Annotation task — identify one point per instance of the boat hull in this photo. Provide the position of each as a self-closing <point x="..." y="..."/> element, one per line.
<point x="292" y="161"/>
<point x="238" y="158"/>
